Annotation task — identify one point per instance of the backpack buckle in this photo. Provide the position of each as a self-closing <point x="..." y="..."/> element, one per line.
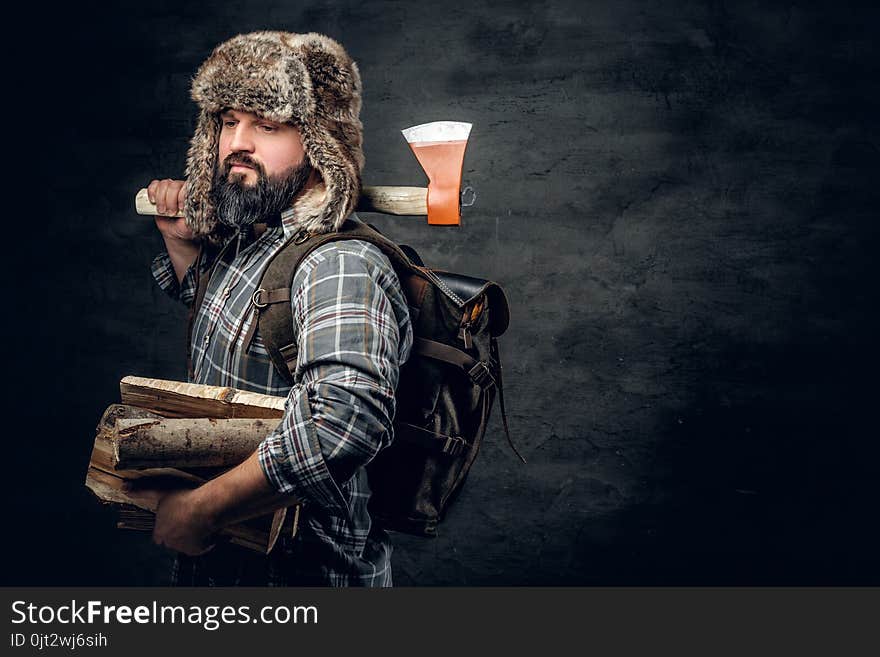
<point x="255" y="299"/>
<point x="482" y="375"/>
<point x="454" y="445"/>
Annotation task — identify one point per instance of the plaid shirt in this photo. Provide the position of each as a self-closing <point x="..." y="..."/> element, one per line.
<point x="353" y="332"/>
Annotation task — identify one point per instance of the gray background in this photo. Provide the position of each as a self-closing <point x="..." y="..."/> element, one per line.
<point x="679" y="198"/>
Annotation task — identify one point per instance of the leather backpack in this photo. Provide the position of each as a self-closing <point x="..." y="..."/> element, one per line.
<point x="446" y="389"/>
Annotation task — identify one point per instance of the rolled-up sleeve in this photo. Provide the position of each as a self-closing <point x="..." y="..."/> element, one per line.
<point x="166" y="278"/>
<point x="348" y="312"/>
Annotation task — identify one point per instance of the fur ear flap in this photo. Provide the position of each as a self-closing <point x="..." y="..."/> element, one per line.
<point x="308" y="210"/>
<point x="327" y="207"/>
<point x="200" y="163"/>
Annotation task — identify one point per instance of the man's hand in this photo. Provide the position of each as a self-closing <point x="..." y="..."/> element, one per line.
<point x="188" y="519"/>
<point x="169" y="195"/>
<point x="182" y="524"/>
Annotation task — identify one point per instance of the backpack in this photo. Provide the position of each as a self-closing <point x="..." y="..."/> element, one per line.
<point x="446" y="388"/>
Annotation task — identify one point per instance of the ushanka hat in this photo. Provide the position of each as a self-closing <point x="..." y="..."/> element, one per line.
<point x="307" y="80"/>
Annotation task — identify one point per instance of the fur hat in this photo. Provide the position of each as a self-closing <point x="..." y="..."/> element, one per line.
<point x="307" y="80"/>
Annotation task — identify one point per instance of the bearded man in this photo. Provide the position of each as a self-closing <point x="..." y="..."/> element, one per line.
<point x="277" y="153"/>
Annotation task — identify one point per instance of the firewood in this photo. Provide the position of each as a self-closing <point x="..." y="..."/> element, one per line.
<point x="177" y="399"/>
<point x="186" y="442"/>
<point x="126" y="489"/>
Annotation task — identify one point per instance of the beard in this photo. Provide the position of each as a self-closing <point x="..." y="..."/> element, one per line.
<point x="239" y="204"/>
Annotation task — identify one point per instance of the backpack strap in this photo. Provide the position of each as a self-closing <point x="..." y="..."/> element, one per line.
<point x="202" y="279"/>
<point x="496" y="356"/>
<point x="271" y="301"/>
<point x="214" y="258"/>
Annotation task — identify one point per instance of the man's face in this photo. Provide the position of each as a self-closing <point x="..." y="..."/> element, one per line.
<point x="249" y="139"/>
<point x="261" y="168"/>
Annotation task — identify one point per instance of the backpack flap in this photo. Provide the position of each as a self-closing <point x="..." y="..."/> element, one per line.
<point x="464" y="290"/>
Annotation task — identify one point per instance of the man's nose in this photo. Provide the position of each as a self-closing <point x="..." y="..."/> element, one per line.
<point x="241" y="140"/>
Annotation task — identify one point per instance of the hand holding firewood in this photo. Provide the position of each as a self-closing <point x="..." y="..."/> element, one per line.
<point x="167" y="439"/>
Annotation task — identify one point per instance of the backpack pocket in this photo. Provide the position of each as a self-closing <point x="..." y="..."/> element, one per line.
<point x="418" y="477"/>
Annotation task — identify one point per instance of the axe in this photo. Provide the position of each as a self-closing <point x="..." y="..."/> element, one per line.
<point x="439" y="147"/>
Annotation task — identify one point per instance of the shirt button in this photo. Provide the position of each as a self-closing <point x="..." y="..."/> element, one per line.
<point x="207" y="339"/>
<point x="226" y="293"/>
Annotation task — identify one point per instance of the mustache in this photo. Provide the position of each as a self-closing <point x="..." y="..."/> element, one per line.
<point x="242" y="158"/>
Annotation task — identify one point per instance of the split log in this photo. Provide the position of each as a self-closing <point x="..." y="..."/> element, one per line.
<point x="178" y="399"/>
<point x="103" y="457"/>
<point x="187" y="442"/>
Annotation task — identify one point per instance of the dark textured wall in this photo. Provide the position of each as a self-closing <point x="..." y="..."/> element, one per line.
<point x="679" y="197"/>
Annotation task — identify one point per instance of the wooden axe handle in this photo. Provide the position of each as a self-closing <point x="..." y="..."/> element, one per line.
<point x="410" y="201"/>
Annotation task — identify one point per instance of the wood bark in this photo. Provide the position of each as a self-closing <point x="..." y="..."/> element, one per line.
<point x="186" y="442"/>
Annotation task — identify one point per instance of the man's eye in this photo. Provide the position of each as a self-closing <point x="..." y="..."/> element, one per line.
<point x="229" y="124"/>
<point x="268" y="128"/>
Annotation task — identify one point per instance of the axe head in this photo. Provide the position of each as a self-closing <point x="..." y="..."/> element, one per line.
<point x="439" y="147"/>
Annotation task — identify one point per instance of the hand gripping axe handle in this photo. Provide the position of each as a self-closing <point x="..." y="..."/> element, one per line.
<point x="439" y="147"/>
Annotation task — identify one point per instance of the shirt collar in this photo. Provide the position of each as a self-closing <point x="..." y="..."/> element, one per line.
<point x="289" y="223"/>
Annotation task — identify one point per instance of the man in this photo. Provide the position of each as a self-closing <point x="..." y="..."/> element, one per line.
<point x="276" y="153"/>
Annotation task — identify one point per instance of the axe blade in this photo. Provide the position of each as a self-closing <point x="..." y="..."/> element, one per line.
<point x="439" y="147"/>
